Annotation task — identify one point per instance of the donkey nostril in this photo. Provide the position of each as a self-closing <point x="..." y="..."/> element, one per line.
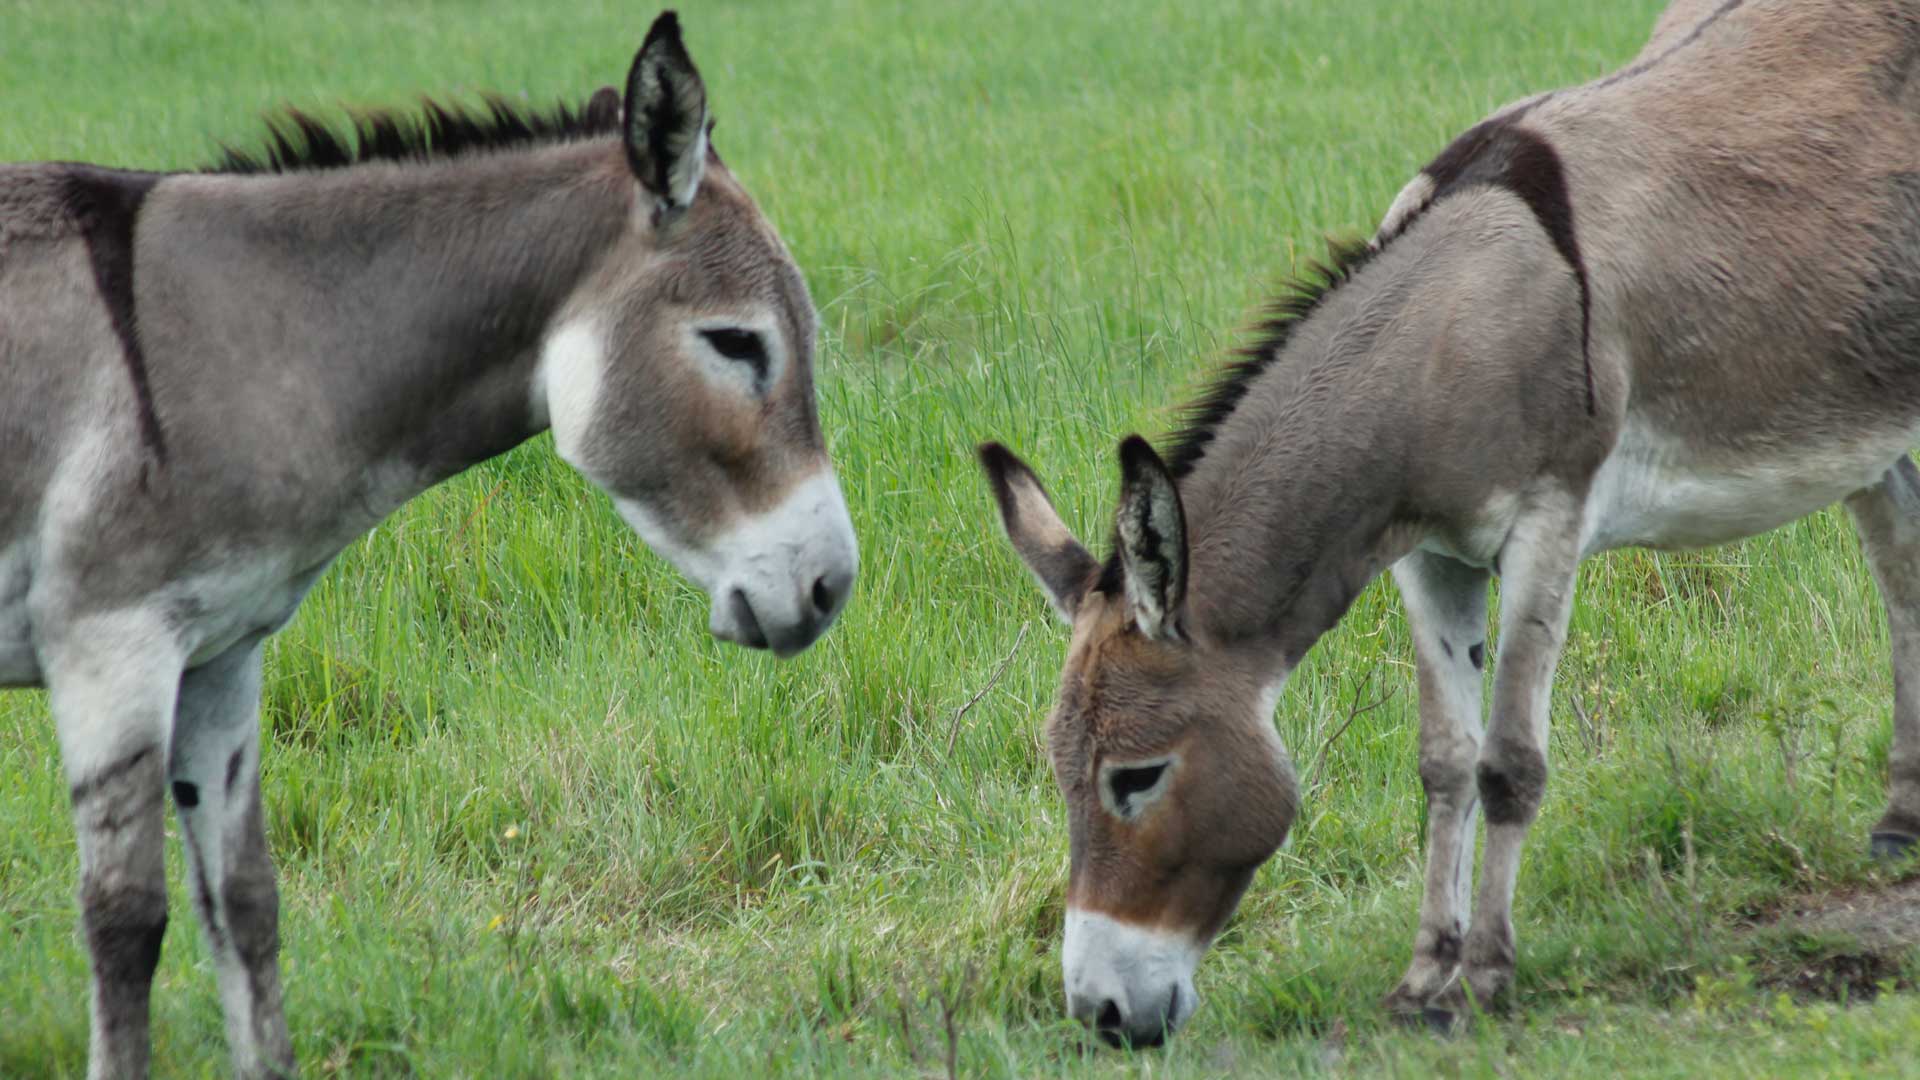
<point x="1109" y="1018"/>
<point x="751" y="635"/>
<point x="831" y="589"/>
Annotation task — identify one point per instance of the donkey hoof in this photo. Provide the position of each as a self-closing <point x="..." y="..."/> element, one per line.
<point x="1409" y="1015"/>
<point x="1893" y="847"/>
<point x="1444" y="1022"/>
<point x="1449" y="1012"/>
<point x="1405" y="1004"/>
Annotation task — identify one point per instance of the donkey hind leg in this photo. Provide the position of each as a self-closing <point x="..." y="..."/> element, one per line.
<point x="1446" y="604"/>
<point x="1541" y="559"/>
<point x="112" y="682"/>
<point x="216" y="789"/>
<point x="1887" y="517"/>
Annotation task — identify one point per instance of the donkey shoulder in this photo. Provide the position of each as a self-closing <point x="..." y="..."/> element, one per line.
<point x="43" y="201"/>
<point x="33" y="205"/>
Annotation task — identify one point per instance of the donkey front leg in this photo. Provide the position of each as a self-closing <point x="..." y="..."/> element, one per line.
<point x="1446" y="602"/>
<point x="1887" y="517"/>
<point x="216" y="789"/>
<point x="112" y="682"/>
<point x="1540" y="560"/>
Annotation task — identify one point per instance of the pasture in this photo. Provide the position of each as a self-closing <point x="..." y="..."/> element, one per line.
<point x="530" y="820"/>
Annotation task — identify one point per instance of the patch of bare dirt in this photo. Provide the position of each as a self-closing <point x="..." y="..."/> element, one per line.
<point x="1848" y="945"/>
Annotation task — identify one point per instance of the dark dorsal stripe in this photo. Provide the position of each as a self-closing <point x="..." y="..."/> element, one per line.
<point x="1495" y="153"/>
<point x="1498" y="153"/>
<point x="1693" y="35"/>
<point x="104" y="205"/>
<point x="1634" y="71"/>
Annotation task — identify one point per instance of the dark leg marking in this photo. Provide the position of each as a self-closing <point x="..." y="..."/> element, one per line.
<point x="104" y="204"/>
<point x="1897" y="832"/>
<point x="251" y="902"/>
<point x="1899" y="819"/>
<point x="233" y="769"/>
<point x="1892" y="847"/>
<point x="1513" y="778"/>
<point x="203" y="891"/>
<point x="1446" y="647"/>
<point x="88" y="788"/>
<point x="124" y="929"/>
<point x="1477" y="653"/>
<point x="186" y="794"/>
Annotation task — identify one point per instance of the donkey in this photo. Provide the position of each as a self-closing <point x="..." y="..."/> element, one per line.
<point x="210" y="383"/>
<point x="1671" y="308"/>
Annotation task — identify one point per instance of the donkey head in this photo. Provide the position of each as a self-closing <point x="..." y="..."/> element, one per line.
<point x="1163" y="744"/>
<point x="679" y="377"/>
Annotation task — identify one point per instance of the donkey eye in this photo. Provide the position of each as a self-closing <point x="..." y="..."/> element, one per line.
<point x="744" y="346"/>
<point x="1130" y="782"/>
<point x="1127" y="783"/>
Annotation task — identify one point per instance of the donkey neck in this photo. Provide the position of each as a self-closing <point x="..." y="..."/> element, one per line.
<point x="1297" y="501"/>
<point x="405" y="303"/>
<point x="1439" y="372"/>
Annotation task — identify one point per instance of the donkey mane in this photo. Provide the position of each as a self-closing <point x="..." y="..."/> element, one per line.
<point x="298" y="141"/>
<point x="1297" y="297"/>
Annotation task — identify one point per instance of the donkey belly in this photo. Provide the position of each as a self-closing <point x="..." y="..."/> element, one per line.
<point x="1653" y="492"/>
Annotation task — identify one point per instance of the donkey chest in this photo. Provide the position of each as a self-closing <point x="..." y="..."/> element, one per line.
<point x="239" y="596"/>
<point x="247" y="598"/>
<point x="1652" y="491"/>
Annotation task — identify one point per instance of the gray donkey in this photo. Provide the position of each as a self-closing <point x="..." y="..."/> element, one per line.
<point x="1671" y="308"/>
<point x="211" y="383"/>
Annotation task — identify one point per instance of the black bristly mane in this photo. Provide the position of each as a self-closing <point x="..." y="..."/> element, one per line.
<point x="1296" y="298"/>
<point x="298" y="141"/>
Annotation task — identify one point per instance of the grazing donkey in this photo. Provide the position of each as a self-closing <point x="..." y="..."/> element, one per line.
<point x="1671" y="308"/>
<point x="211" y="383"/>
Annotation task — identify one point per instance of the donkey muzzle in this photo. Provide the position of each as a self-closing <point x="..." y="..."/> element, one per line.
<point x="739" y="621"/>
<point x="1132" y="985"/>
<point x="784" y="576"/>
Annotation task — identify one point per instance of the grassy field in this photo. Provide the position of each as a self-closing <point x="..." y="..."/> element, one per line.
<point x="531" y="821"/>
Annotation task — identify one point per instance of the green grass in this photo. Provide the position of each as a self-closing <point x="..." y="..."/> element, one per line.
<point x="531" y="821"/>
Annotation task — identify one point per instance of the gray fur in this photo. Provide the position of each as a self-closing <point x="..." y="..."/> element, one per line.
<point x="216" y="732"/>
<point x="1724" y="248"/>
<point x="310" y="349"/>
<point x="1887" y="517"/>
<point x="1444" y="597"/>
<point x="123" y="905"/>
<point x="1728" y="230"/>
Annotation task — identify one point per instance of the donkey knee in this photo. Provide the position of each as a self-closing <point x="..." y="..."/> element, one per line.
<point x="1447" y="778"/>
<point x="124" y="926"/>
<point x="251" y="903"/>
<point x="1513" y="779"/>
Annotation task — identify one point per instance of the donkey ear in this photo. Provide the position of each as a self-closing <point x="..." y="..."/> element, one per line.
<point x="666" y="116"/>
<point x="1057" y="561"/>
<point x="603" y="109"/>
<point x="1152" y="529"/>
